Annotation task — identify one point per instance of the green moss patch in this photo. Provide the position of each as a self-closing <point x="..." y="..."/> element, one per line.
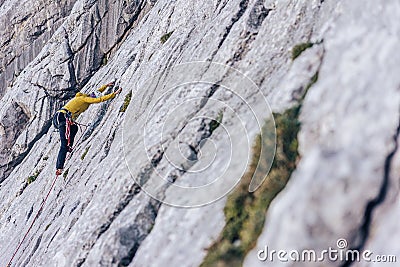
<point x="300" y="48"/>
<point x="165" y="37"/>
<point x="47" y="227"/>
<point x="85" y="153"/>
<point x="245" y="211"/>
<point x="33" y="177"/>
<point x="65" y="174"/>
<point x="214" y="124"/>
<point x="127" y="101"/>
<point x="313" y="80"/>
<point x="104" y="61"/>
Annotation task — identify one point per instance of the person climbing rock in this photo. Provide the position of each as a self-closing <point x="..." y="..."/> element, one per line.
<point x="64" y="119"/>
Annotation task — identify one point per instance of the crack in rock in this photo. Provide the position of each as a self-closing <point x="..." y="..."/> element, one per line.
<point x="242" y="9"/>
<point x="135" y="189"/>
<point x="122" y="204"/>
<point x="132" y="236"/>
<point x="365" y="228"/>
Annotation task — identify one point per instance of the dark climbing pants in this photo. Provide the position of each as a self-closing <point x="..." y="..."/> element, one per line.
<point x="60" y="122"/>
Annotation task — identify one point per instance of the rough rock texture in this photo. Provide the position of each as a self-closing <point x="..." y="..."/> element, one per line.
<point x="345" y="185"/>
<point x="26" y="27"/>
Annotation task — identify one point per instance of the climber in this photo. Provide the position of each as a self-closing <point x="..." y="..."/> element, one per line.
<point x="65" y="117"/>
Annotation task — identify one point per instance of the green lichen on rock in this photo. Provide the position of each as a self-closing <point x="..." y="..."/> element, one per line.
<point x="33" y="177"/>
<point x="313" y="80"/>
<point x="299" y="48"/>
<point x="85" y="153"/>
<point x="104" y="61"/>
<point x="245" y="211"/>
<point x="47" y="227"/>
<point x="65" y="174"/>
<point x="166" y="36"/>
<point x="214" y="124"/>
<point x="127" y="101"/>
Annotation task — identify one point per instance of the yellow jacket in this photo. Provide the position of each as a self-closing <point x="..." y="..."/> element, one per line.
<point x="81" y="102"/>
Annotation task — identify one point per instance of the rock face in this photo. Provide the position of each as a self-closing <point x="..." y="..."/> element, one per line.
<point x="347" y="177"/>
<point x="26" y="27"/>
<point x="191" y="121"/>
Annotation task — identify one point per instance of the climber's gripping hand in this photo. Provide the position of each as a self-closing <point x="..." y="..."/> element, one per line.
<point x="118" y="91"/>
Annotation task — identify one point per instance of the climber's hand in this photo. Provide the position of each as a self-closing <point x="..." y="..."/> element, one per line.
<point x="118" y="91"/>
<point x="110" y="84"/>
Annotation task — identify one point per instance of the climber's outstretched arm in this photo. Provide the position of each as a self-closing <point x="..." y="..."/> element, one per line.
<point x="92" y="100"/>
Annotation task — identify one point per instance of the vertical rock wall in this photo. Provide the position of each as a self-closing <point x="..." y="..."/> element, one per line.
<point x="99" y="214"/>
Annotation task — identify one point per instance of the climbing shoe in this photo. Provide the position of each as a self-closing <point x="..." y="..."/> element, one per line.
<point x="59" y="171"/>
